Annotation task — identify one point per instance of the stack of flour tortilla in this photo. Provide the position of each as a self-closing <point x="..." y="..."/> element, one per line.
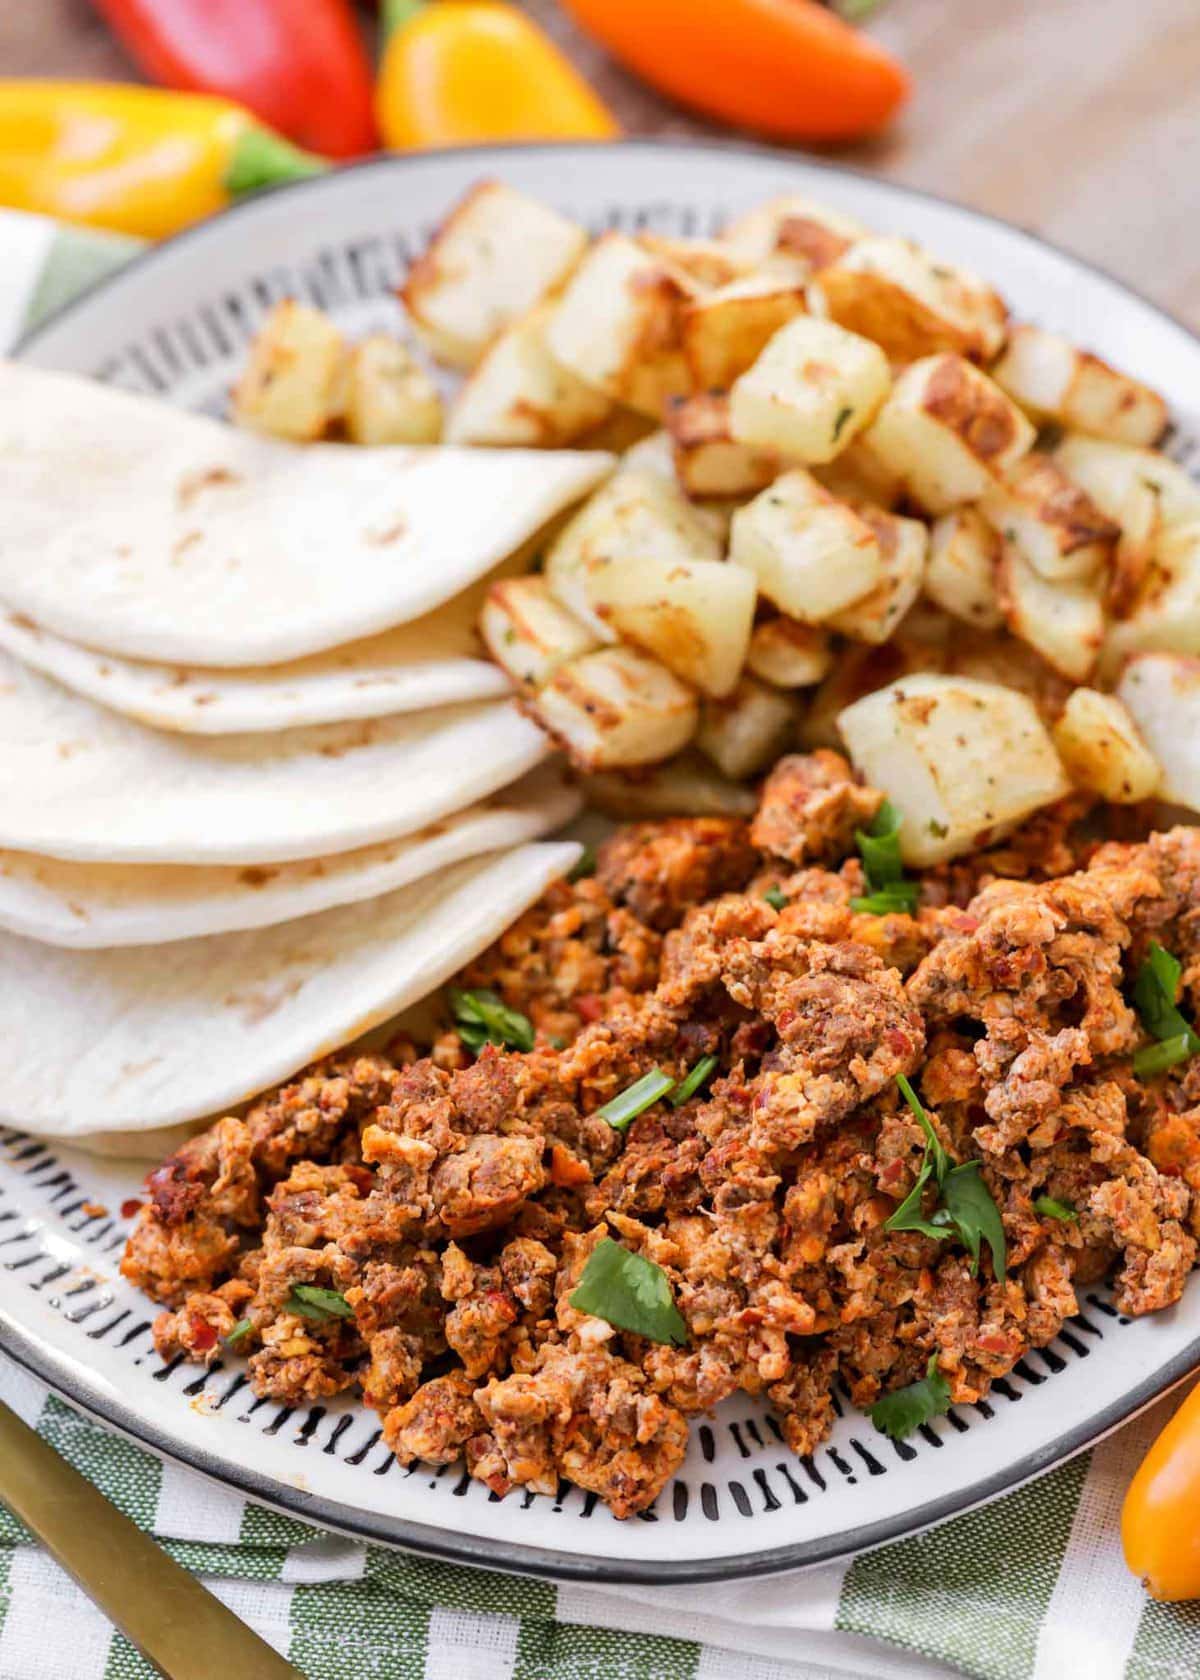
<point x="259" y="788"/>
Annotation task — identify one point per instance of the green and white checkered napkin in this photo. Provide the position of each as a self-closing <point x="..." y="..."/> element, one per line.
<point x="1032" y="1587"/>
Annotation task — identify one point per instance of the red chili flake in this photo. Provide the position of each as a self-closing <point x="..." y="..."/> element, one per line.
<point x="996" y="1343"/>
<point x="897" y="1041"/>
<point x="589" y="1007"/>
<point x="204" y="1337"/>
<point x="130" y="1207"/>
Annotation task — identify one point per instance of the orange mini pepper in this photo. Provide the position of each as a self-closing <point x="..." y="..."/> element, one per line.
<point x="787" y="68"/>
<point x="1160" y="1522"/>
<point x="463" y="71"/>
<point x="137" y="160"/>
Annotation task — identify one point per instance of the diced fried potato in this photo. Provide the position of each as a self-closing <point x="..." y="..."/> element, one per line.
<point x="528" y="633"/>
<point x="862" y="667"/>
<point x="388" y="396"/>
<point x="903" y="549"/>
<point x="749" y="729"/>
<point x="812" y="389"/>
<point x="1101" y="749"/>
<point x="520" y="396"/>
<point x="961" y="761"/>
<point x="1001" y="658"/>
<point x="791" y="230"/>
<point x="622" y="429"/>
<point x="726" y="331"/>
<point x="619" y="324"/>
<point x="1052" y="380"/>
<point x="1050" y="520"/>
<point x="1110" y="472"/>
<point x="1063" y="620"/>
<point x="858" y="474"/>
<point x="616" y="708"/>
<point x="640" y="514"/>
<point x="291" y="385"/>
<point x="948" y="432"/>
<point x="685" y="786"/>
<point x="1166" y="614"/>
<point x="910" y="303"/>
<point x="813" y="556"/>
<point x="708" y="461"/>
<point x="710" y="262"/>
<point x="496" y="255"/>
<point x="961" y="574"/>
<point x="694" y="615"/>
<point x="1162" y="693"/>
<point x="789" y="654"/>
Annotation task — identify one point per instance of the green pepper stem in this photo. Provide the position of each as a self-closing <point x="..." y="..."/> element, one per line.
<point x="262" y="159"/>
<point x="394" y="14"/>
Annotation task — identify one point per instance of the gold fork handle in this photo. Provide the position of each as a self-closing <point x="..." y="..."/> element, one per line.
<point x="177" y="1624"/>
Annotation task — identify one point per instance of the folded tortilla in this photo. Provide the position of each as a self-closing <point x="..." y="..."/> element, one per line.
<point x="104" y="1041"/>
<point x="79" y="781"/>
<point x="434" y="661"/>
<point x="96" y="906"/>
<point x="136" y="528"/>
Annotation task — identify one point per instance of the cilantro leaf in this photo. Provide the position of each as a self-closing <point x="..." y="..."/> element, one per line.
<point x="971" y="1206"/>
<point x="307" y="1300"/>
<point x="629" y="1292"/>
<point x="909" y="1215"/>
<point x="1049" y="1208"/>
<point x="775" y="898"/>
<point x="481" y="1017"/>
<point x="934" y="1147"/>
<point x="904" y="1410"/>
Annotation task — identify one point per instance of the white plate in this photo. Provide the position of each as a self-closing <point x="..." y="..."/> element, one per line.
<point x="175" y="323"/>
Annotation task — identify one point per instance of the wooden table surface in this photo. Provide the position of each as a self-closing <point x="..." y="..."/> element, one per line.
<point x="1079" y="119"/>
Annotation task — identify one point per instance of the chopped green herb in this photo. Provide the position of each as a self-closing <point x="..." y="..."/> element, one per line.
<point x="1049" y="1208"/>
<point x="934" y="1148"/>
<point x="692" y="1081"/>
<point x="1153" y="1059"/>
<point x="556" y="1041"/>
<point x="321" y="1305"/>
<point x="892" y="901"/>
<point x="510" y="637"/>
<point x="909" y="1215"/>
<point x="843" y="415"/>
<point x="636" y="1099"/>
<point x="629" y="1292"/>
<point x="585" y="866"/>
<point x="775" y="898"/>
<point x="937" y="829"/>
<point x="903" y="1411"/>
<point x="880" y="848"/>
<point x="242" y="1328"/>
<point x="970" y="1204"/>
<point x="482" y="1018"/>
<point x="1154" y="993"/>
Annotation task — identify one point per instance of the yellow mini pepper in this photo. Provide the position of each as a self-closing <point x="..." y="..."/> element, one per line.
<point x="138" y="160"/>
<point x="458" y="72"/>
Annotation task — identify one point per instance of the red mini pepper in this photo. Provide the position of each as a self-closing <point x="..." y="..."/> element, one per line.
<point x="300" y="65"/>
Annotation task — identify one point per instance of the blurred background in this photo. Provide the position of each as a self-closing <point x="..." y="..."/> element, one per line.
<point x="1077" y="118"/>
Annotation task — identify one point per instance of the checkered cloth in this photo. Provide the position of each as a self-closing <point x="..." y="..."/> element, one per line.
<point x="1031" y="1587"/>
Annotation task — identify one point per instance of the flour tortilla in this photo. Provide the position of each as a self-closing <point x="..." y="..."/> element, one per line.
<point x="96" y="906"/>
<point x="434" y="661"/>
<point x="104" y="1041"/>
<point x="78" y="781"/>
<point x="135" y="528"/>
